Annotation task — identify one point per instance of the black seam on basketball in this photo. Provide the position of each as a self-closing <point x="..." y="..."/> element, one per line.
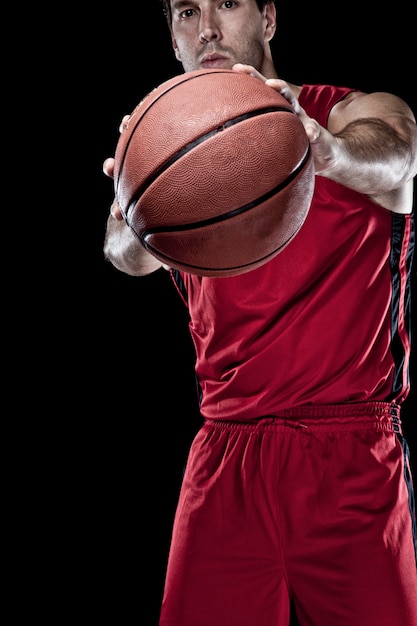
<point x="199" y="140"/>
<point x="226" y="216"/>
<point x="186" y="77"/>
<point x="167" y="259"/>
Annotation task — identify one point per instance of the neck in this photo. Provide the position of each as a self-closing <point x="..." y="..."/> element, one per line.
<point x="268" y="68"/>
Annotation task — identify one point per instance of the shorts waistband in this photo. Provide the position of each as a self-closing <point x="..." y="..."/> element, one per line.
<point x="370" y="409"/>
<point x="378" y="416"/>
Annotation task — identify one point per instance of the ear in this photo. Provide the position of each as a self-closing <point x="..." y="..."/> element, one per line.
<point x="270" y="14"/>
<point x="175" y="47"/>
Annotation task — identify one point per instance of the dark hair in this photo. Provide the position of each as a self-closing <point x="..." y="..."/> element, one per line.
<point x="166" y="7"/>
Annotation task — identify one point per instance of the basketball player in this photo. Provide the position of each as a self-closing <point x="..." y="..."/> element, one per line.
<point x="297" y="488"/>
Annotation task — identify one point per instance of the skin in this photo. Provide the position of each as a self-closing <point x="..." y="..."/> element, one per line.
<point x="369" y="145"/>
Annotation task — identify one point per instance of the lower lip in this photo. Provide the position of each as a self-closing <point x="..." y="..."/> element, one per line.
<point x="214" y="63"/>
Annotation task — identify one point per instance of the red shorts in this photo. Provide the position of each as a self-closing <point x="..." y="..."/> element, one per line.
<point x="313" y="509"/>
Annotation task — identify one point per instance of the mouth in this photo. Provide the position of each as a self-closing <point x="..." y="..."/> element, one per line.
<point x="212" y="61"/>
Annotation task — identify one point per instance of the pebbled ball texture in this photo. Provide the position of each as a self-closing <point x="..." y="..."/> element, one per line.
<point x="213" y="172"/>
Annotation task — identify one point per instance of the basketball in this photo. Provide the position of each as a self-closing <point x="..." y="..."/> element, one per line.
<point x="213" y="172"/>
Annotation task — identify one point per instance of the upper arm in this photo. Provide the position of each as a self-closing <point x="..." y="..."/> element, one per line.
<point x="379" y="129"/>
<point x="380" y="105"/>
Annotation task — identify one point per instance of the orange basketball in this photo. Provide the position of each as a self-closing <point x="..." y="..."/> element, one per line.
<point x="214" y="173"/>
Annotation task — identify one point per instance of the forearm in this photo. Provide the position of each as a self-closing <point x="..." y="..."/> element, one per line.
<point x="124" y="250"/>
<point x="373" y="157"/>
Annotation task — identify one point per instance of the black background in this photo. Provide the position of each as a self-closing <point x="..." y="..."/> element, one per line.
<point x="130" y="386"/>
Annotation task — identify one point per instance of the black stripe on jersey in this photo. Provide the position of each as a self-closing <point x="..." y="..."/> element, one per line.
<point x="399" y="234"/>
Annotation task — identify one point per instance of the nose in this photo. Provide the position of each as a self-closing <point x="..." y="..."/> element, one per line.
<point x="209" y="30"/>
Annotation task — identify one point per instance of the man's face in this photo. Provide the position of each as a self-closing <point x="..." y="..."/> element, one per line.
<point x="208" y="34"/>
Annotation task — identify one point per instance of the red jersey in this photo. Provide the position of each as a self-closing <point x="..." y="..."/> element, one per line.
<point x="326" y="321"/>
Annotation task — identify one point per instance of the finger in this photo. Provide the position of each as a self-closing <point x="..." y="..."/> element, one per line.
<point x="123" y="123"/>
<point x="313" y="130"/>
<point x="115" y="211"/>
<point x="285" y="90"/>
<point x="248" y="69"/>
<point x="108" y="167"/>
